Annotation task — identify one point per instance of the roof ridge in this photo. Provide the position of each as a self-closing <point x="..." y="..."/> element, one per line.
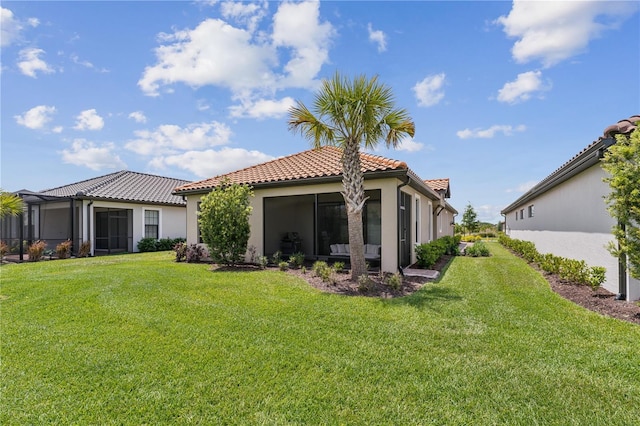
<point x="103" y="182"/>
<point x="78" y="183"/>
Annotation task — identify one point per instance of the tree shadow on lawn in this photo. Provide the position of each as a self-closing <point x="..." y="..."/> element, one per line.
<point x="428" y="297"/>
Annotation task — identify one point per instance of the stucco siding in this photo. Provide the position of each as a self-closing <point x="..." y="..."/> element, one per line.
<point x="576" y="205"/>
<point x="587" y="246"/>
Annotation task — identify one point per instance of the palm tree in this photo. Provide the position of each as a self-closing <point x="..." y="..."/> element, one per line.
<point x="349" y="114"/>
<point x="10" y="204"/>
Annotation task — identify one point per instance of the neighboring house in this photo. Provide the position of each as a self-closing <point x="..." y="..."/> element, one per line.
<point x="566" y="214"/>
<point x="114" y="212"/>
<point x="297" y="205"/>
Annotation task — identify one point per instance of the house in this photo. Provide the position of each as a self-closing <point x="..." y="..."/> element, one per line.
<point x="113" y="211"/>
<point x="297" y="206"/>
<point x="565" y="214"/>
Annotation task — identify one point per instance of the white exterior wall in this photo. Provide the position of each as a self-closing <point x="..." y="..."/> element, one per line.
<point x="389" y="214"/>
<point x="571" y="220"/>
<point x="172" y="220"/>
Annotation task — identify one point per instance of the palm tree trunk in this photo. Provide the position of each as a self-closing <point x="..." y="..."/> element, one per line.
<point x="353" y="183"/>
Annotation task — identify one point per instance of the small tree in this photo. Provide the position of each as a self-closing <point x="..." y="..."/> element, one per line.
<point x="622" y="162"/>
<point x="224" y="222"/>
<point x="470" y="219"/>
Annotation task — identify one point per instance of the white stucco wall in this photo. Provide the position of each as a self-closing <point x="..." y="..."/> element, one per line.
<point x="172" y="220"/>
<point x="571" y="220"/>
<point x="389" y="214"/>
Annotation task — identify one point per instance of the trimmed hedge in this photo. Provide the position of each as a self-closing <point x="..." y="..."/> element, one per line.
<point x="163" y="244"/>
<point x="428" y="253"/>
<point x="571" y="270"/>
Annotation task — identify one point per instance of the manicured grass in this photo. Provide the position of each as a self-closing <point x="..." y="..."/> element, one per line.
<point x="140" y="339"/>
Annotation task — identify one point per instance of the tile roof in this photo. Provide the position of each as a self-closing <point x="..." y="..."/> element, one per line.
<point x="123" y="186"/>
<point x="314" y="163"/>
<point x="578" y="162"/>
<point x="438" y="184"/>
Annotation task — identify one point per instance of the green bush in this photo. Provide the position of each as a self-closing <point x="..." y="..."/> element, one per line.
<point x="478" y="249"/>
<point x="338" y="267"/>
<point x="263" y="261"/>
<point x="395" y="281"/>
<point x="296" y="260"/>
<point x="570" y="270"/>
<point x="224" y="222"/>
<point x="427" y="254"/>
<point x="147" y="245"/>
<point x="277" y="257"/>
<point x="283" y="266"/>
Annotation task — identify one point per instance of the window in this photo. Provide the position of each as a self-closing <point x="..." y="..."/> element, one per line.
<point x="151" y="224"/>
<point x="530" y="210"/>
<point x="516" y="216"/>
<point x="521" y="213"/>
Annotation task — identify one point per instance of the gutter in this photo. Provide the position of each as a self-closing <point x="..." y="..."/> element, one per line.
<point x="591" y="156"/>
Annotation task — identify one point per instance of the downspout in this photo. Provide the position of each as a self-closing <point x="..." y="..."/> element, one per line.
<point x="72" y="229"/>
<point x="622" y="272"/>
<point x="399" y="221"/>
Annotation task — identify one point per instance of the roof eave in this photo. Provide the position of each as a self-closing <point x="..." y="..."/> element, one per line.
<point x="588" y="158"/>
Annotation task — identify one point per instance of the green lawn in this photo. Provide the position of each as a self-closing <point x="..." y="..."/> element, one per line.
<point x="140" y="339"/>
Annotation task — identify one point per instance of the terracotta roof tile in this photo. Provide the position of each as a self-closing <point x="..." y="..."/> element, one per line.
<point x="321" y="162"/>
<point x="438" y="184"/>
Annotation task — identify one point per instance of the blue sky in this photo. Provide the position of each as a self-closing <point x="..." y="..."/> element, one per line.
<point x="502" y="93"/>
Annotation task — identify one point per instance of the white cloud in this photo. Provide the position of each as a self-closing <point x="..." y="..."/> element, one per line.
<point x="297" y="26"/>
<point x="33" y="22"/>
<point x="262" y="108"/>
<point x="170" y="138"/>
<point x="244" y="62"/>
<point x="10" y="27"/>
<point x="555" y="31"/>
<point x="210" y="162"/>
<point x="523" y="87"/>
<point x="30" y="62"/>
<point x="138" y="116"/>
<point x="378" y="37"/>
<point x="87" y="154"/>
<point x="57" y="129"/>
<point x="190" y="57"/>
<point x="248" y="14"/>
<point x="37" y="117"/>
<point x="489" y="213"/>
<point x="429" y="91"/>
<point x="89" y="120"/>
<point x="523" y="187"/>
<point x="489" y="133"/>
<point x="410" y="145"/>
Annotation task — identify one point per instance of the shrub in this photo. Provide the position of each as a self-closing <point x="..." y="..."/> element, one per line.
<point x="166" y="244"/>
<point x="224" y="222"/>
<point x="85" y="249"/>
<point x="147" y="245"/>
<point x="195" y="253"/>
<point x="181" y="251"/>
<point x="478" y="249"/>
<point x="596" y="276"/>
<point x="36" y="250"/>
<point x="427" y="254"/>
<point x="263" y="261"/>
<point x="296" y="260"/>
<point x="364" y="283"/>
<point x="252" y="251"/>
<point x="322" y="270"/>
<point x="63" y="250"/>
<point x="283" y="266"/>
<point x="4" y="249"/>
<point x="338" y="267"/>
<point x="277" y="257"/>
<point x="395" y="281"/>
